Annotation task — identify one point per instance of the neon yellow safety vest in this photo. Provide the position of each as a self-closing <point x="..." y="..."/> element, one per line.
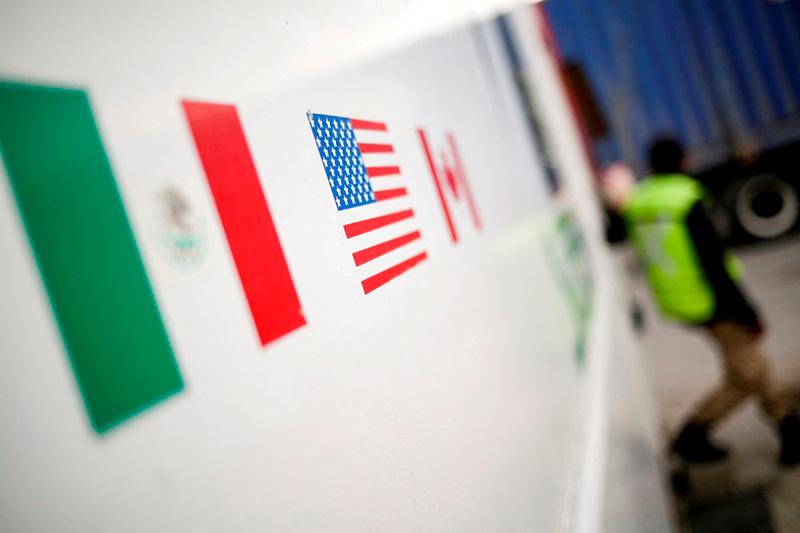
<point x="655" y="215"/>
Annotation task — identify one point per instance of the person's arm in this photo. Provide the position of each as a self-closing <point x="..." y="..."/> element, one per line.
<point x="731" y="302"/>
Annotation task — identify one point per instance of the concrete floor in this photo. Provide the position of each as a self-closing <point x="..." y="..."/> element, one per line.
<point x="683" y="366"/>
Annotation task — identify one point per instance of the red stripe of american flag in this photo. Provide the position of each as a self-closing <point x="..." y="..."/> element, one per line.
<point x="381" y="278"/>
<point x="365" y="226"/>
<point x="388" y="194"/>
<point x="367" y="125"/>
<point x="373" y="252"/>
<point x="374" y="172"/>
<point x="374" y="148"/>
<point x="354" y="229"/>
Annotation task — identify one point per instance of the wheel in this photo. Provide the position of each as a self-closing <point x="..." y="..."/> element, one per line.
<point x="765" y="206"/>
<point x="681" y="482"/>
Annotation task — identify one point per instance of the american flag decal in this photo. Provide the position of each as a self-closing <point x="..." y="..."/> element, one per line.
<point x="368" y="189"/>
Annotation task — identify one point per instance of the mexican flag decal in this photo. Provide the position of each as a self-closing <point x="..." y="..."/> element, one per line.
<point x="86" y="252"/>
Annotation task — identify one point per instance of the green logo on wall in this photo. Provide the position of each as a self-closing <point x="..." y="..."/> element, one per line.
<point x="181" y="230"/>
<point x="569" y="261"/>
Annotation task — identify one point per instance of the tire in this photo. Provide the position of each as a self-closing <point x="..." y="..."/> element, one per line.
<point x="764" y="206"/>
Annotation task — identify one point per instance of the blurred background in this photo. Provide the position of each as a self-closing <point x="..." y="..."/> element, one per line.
<point x="723" y="78"/>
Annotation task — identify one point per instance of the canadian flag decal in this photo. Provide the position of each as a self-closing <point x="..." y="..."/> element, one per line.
<point x="450" y="181"/>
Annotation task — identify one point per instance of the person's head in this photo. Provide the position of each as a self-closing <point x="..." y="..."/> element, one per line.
<point x="667" y="156"/>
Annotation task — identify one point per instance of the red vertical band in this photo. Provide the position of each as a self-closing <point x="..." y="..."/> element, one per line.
<point x="435" y="175"/>
<point x="462" y="177"/>
<point x="246" y="219"/>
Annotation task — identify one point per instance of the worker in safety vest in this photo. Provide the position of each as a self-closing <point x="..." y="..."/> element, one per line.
<point x="694" y="281"/>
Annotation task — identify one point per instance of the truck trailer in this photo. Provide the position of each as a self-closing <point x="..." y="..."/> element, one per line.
<point x="722" y="77"/>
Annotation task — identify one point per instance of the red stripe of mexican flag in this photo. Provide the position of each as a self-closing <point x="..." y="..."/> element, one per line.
<point x="246" y="219"/>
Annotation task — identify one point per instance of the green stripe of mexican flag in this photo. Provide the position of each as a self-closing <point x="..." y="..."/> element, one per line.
<point x="86" y="252"/>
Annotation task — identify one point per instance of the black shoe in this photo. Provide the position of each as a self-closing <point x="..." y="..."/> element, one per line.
<point x="693" y="446"/>
<point x="790" y="439"/>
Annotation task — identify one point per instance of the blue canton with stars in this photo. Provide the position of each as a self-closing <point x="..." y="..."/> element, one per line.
<point x="343" y="162"/>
